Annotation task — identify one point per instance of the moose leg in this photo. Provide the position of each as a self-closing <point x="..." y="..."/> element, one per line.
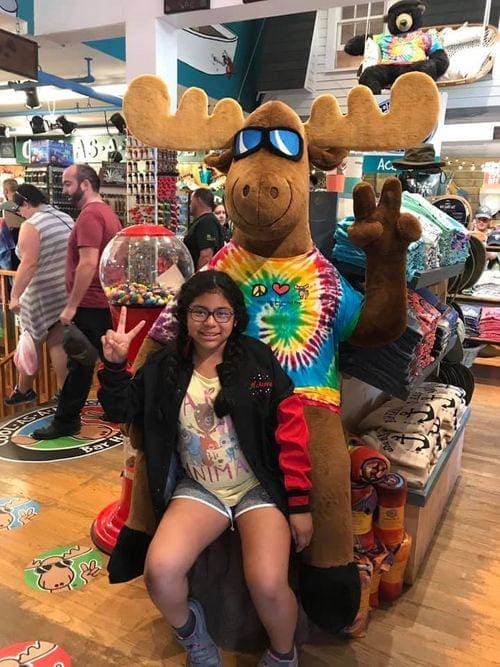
<point x="329" y="580"/>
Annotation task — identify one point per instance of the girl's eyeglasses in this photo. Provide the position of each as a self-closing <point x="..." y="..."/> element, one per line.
<point x="201" y="314"/>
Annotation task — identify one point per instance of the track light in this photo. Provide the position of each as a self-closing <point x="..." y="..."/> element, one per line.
<point x="67" y="126"/>
<point x="37" y="125"/>
<point x="4" y="131"/>
<point x="119" y="122"/>
<point x="32" y="101"/>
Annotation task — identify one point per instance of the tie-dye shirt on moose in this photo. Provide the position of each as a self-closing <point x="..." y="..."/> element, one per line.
<point x="302" y="308"/>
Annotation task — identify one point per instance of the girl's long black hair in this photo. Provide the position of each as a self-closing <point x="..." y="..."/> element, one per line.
<point x="204" y="282"/>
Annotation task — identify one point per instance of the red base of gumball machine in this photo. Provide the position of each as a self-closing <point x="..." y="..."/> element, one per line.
<point x="110" y="520"/>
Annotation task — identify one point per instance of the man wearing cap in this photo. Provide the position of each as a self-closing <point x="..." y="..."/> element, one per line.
<point x="481" y="228"/>
<point x="482" y="222"/>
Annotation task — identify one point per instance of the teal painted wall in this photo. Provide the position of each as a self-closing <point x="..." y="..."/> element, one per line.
<point x="26" y="12"/>
<point x="241" y="85"/>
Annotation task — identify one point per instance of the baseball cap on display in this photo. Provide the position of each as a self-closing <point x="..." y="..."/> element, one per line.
<point x="483" y="212"/>
<point x="493" y="238"/>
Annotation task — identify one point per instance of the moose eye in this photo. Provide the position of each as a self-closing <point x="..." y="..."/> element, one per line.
<point x="246" y="141"/>
<point x="287" y="142"/>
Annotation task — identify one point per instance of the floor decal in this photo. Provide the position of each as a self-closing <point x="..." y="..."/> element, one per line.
<point x="34" y="654"/>
<point x="17" y="444"/>
<point x="17" y="512"/>
<point x="63" y="569"/>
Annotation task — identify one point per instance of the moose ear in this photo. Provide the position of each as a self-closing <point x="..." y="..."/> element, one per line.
<point x="221" y="161"/>
<point x="326" y="159"/>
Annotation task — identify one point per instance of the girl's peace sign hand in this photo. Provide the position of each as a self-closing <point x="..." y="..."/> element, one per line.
<point x="115" y="344"/>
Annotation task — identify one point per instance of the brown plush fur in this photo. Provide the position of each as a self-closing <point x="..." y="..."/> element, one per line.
<point x="267" y="200"/>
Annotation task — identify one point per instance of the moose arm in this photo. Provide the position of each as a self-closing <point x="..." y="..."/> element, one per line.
<point x="384" y="233"/>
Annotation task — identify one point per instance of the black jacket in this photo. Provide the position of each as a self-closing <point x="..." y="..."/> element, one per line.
<point x="267" y="416"/>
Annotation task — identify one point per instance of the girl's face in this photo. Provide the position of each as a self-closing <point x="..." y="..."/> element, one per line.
<point x="220" y="213"/>
<point x="208" y="334"/>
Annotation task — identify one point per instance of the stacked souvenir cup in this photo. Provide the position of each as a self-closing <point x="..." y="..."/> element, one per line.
<point x="141" y="268"/>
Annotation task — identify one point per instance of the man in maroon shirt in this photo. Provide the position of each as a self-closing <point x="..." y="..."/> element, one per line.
<point x="87" y="306"/>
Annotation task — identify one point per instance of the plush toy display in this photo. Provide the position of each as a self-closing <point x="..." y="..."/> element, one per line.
<point x="297" y="301"/>
<point x="405" y="48"/>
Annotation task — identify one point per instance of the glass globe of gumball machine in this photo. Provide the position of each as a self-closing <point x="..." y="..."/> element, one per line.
<point x="141" y="268"/>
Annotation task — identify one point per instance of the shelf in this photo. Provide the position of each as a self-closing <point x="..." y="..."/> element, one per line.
<point x="419" y="497"/>
<point x="436" y="275"/>
<point x="402" y="392"/>
<point x="483" y="340"/>
<point x="419" y="280"/>
<point x="484" y="299"/>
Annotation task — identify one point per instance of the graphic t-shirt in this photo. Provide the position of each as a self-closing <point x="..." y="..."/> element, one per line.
<point x="302" y="308"/>
<point x="407" y="48"/>
<point x="208" y="446"/>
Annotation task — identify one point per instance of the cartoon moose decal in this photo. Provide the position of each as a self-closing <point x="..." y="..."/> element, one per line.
<point x="56" y="572"/>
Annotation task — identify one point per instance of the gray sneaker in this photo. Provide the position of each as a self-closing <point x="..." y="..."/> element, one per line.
<point x="201" y="648"/>
<point x="270" y="660"/>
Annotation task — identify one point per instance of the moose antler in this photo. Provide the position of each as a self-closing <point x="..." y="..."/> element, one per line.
<point x="146" y="106"/>
<point x="412" y="115"/>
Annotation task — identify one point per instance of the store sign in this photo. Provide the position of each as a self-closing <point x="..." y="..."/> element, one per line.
<point x="85" y="148"/>
<point x="95" y="149"/>
<point x="454" y="207"/>
<point x="379" y="164"/>
<point x="177" y="6"/>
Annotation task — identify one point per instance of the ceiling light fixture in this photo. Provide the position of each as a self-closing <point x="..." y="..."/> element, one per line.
<point x="4" y="131"/>
<point x="118" y="121"/>
<point x="32" y="101"/>
<point x="67" y="126"/>
<point x="37" y="125"/>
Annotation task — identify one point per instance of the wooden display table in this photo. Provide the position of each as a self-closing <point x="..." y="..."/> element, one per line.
<point x="424" y="507"/>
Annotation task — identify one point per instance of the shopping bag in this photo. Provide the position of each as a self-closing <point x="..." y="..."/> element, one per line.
<point x="25" y="356"/>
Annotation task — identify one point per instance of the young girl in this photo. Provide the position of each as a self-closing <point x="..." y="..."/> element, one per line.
<point x="219" y="402"/>
<point x="221" y="215"/>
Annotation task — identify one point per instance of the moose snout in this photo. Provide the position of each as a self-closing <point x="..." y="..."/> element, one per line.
<point x="269" y="194"/>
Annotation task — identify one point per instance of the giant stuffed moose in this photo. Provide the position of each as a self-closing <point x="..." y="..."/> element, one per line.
<point x="297" y="301"/>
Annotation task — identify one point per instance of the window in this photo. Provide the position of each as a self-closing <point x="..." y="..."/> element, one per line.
<point x="364" y="19"/>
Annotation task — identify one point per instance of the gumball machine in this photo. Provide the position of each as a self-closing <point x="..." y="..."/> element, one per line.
<point x="142" y="268"/>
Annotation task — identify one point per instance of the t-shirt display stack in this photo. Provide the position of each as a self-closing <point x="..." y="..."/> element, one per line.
<point x="415" y="431"/>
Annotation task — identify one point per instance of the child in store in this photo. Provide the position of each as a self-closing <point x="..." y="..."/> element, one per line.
<point x="221" y="215"/>
<point x="218" y="403"/>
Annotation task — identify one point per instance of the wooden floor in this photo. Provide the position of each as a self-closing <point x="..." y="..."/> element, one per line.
<point x="451" y="616"/>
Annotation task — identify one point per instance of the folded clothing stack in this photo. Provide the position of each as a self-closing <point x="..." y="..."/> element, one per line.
<point x="447" y="326"/>
<point x="412" y="434"/>
<point x="472" y="317"/>
<point x="489" y="324"/>
<point x="345" y="252"/>
<point x="393" y="367"/>
<point x="453" y="236"/>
